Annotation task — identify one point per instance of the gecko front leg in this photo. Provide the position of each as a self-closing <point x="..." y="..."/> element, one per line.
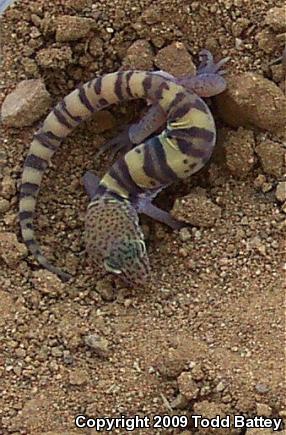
<point x="156" y="213"/>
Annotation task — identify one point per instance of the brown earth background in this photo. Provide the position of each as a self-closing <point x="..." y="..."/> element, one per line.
<point x="207" y="335"/>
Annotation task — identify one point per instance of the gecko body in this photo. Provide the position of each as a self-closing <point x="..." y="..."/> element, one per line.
<point x="113" y="235"/>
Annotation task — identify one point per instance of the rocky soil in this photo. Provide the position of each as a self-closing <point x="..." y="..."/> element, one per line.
<point x="207" y="335"/>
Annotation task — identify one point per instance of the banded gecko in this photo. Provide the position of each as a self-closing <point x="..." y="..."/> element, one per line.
<point x="113" y="235"/>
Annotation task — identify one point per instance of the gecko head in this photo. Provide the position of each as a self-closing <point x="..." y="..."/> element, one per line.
<point x="114" y="239"/>
<point x="128" y="258"/>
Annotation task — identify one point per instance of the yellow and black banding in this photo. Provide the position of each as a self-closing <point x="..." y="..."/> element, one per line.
<point x="155" y="162"/>
<point x="179" y="149"/>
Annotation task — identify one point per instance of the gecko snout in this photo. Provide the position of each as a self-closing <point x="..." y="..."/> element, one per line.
<point x="129" y="260"/>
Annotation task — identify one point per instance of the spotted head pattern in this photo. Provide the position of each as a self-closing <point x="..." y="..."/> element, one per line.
<point x="112" y="234"/>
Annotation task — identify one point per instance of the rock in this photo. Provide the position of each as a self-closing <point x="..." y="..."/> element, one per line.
<point x="196" y="209"/>
<point x="30" y="66"/>
<point x="78" y="377"/>
<point x="152" y="15"/>
<point x="47" y="282"/>
<point x="7" y="187"/>
<point x="184" y="234"/>
<point x="209" y="409"/>
<point x="275" y="18"/>
<point x="7" y="307"/>
<point x="79" y="5"/>
<point x="4" y="205"/>
<point x="95" y="46"/>
<point x="239" y="153"/>
<point x="271" y="155"/>
<point x="277" y="73"/>
<point x="252" y="100"/>
<point x="56" y="352"/>
<point x="266" y="187"/>
<point x="176" y="60"/>
<point x="71" y="28"/>
<point x="239" y="26"/>
<point x="197" y="372"/>
<point x="180" y="402"/>
<point x="187" y="386"/>
<point x="105" y="289"/>
<point x="172" y="363"/>
<point x="57" y="58"/>
<point x="67" y="357"/>
<point x="256" y="244"/>
<point x="11" y="251"/>
<point x="20" y="352"/>
<point x="261" y="388"/>
<point x="263" y="409"/>
<point x="259" y="181"/>
<point x="26" y="104"/>
<point x="266" y="40"/>
<point x="139" y="56"/>
<point x="220" y="386"/>
<point x="98" y="344"/>
<point x="280" y="191"/>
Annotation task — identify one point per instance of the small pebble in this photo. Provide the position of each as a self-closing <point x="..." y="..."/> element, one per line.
<point x="280" y="192"/>
<point x="184" y="234"/>
<point x="100" y="345"/>
<point x="176" y="60"/>
<point x="71" y="28"/>
<point x="187" y="386"/>
<point x="78" y="377"/>
<point x="4" y="205"/>
<point x="261" y="388"/>
<point x="263" y="409"/>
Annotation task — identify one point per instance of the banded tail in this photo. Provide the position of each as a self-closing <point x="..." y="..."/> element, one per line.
<point x="75" y="108"/>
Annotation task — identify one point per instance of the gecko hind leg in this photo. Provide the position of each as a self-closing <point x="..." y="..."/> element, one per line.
<point x="121" y="142"/>
<point x="137" y="133"/>
<point x="162" y="216"/>
<point x="90" y="182"/>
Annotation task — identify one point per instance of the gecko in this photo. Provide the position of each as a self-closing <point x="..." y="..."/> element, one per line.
<point x="150" y="163"/>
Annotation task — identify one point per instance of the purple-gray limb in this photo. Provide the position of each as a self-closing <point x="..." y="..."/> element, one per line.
<point x="91" y="181"/>
<point x="206" y="83"/>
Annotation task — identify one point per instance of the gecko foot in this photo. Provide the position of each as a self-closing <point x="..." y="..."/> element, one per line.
<point x="121" y="142"/>
<point x="207" y="65"/>
<point x="281" y="59"/>
<point x="209" y="80"/>
<point x="162" y="216"/>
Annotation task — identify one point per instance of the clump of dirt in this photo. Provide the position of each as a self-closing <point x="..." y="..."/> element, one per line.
<point x="207" y="335"/>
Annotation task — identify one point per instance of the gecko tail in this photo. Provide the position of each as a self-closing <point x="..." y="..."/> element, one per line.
<point x="76" y="107"/>
<point x="34" y="248"/>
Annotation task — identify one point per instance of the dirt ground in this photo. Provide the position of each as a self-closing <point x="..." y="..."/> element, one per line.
<point x="207" y="336"/>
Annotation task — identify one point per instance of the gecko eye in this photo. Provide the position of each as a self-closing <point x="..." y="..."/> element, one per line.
<point x="142" y="247"/>
<point x="111" y="267"/>
<point x="128" y="259"/>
